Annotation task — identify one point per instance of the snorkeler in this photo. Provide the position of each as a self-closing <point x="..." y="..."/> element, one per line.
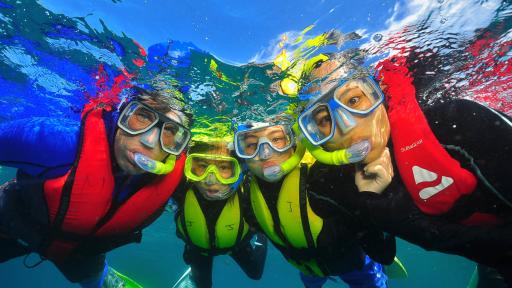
<point x="210" y="216"/>
<point x="83" y="189"/>
<point x="453" y="198"/>
<point x="311" y="234"/>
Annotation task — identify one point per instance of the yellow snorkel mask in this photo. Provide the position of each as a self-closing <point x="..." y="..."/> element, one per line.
<point x="226" y="169"/>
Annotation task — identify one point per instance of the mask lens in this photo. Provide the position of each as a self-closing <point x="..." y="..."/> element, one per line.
<point x="137" y="118"/>
<point x="279" y="137"/>
<point x="174" y="137"/>
<point x="359" y="95"/>
<point x="317" y="123"/>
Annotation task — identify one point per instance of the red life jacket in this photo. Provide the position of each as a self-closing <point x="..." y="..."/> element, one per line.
<point x="433" y="178"/>
<point x="80" y="201"/>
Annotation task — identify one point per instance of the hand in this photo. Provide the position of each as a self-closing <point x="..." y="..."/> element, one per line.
<point x="375" y="176"/>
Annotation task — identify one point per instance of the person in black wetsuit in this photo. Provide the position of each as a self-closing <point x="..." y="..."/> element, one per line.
<point x="433" y="203"/>
<point x="210" y="216"/>
<point x="312" y="235"/>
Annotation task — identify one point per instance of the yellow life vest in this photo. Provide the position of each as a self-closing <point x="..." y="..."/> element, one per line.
<point x="297" y="225"/>
<point x="229" y="229"/>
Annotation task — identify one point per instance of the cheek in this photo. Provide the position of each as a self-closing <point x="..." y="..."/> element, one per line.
<point x="254" y="166"/>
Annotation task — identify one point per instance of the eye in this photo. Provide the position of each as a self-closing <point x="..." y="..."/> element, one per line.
<point x="277" y="139"/>
<point x="144" y="116"/>
<point x="354" y="100"/>
<point x="318" y="64"/>
<point x="225" y="167"/>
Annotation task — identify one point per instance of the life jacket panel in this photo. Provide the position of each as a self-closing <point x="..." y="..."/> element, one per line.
<point x="433" y="178"/>
<point x="293" y="210"/>
<point x="290" y="212"/>
<point x="93" y="182"/>
<point x="80" y="200"/>
<point x="227" y="227"/>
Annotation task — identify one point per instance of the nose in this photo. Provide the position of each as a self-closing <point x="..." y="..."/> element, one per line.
<point x="150" y="137"/>
<point x="210" y="179"/>
<point x="265" y="151"/>
<point x="344" y="120"/>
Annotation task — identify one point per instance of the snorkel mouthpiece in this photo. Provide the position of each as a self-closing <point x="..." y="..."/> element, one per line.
<point x="273" y="173"/>
<point x="359" y="151"/>
<point x="153" y="166"/>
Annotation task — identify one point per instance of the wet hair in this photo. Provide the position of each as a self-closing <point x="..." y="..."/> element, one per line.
<point x="163" y="103"/>
<point x="215" y="147"/>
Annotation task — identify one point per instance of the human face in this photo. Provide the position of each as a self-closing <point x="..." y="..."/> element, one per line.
<point x="373" y="127"/>
<point x="126" y="145"/>
<point x="210" y="187"/>
<point x="138" y="118"/>
<point x="267" y="160"/>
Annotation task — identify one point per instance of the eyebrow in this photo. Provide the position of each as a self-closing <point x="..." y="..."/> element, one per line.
<point x="250" y="136"/>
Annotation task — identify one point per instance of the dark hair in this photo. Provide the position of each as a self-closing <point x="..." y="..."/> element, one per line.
<point x="163" y="103"/>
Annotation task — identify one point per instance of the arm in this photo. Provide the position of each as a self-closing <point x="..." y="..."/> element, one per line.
<point x="39" y="146"/>
<point x="483" y="133"/>
<point x="395" y="212"/>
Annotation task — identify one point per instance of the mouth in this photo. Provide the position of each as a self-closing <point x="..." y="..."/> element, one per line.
<point x="267" y="164"/>
<point x="212" y="192"/>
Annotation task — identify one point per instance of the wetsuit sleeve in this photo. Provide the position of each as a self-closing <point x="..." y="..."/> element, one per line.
<point x="395" y="212"/>
<point x="251" y="254"/>
<point x="483" y="133"/>
<point x="380" y="246"/>
<point x="42" y="147"/>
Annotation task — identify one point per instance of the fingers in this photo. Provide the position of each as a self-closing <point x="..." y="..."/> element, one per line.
<point x="384" y="161"/>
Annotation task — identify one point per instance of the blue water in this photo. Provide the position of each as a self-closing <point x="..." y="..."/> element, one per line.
<point x="50" y="53"/>
<point x="157" y="262"/>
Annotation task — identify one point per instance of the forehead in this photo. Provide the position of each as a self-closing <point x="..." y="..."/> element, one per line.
<point x="329" y="68"/>
<point x="265" y="131"/>
<point x="175" y="116"/>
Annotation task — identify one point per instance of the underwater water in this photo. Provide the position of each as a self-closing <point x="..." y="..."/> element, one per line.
<point x="55" y="56"/>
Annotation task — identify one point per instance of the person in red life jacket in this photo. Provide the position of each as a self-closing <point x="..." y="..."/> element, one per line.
<point x="453" y="197"/>
<point x="83" y="189"/>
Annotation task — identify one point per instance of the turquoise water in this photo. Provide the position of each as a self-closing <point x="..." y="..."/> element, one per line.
<point x="157" y="262"/>
<point x="51" y="53"/>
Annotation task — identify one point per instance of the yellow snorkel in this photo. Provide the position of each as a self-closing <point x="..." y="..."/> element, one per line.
<point x="153" y="166"/>
<point x="292" y="162"/>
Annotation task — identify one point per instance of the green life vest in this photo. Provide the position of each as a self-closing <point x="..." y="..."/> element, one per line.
<point x="295" y="226"/>
<point x="230" y="227"/>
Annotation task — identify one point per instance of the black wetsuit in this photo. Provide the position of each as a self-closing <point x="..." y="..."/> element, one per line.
<point x="342" y="244"/>
<point x="251" y="258"/>
<point x="484" y="135"/>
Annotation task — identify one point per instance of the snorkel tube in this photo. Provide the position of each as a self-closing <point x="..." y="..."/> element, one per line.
<point x="153" y="166"/>
<point x="292" y="162"/>
<point x="353" y="154"/>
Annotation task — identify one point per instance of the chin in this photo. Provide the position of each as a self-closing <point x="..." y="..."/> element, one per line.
<point x="373" y="155"/>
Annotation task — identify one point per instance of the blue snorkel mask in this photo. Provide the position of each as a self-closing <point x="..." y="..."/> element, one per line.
<point x="262" y="140"/>
<point x="339" y="107"/>
<point x="338" y="104"/>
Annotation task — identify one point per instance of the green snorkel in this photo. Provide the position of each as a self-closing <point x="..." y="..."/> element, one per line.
<point x="353" y="154"/>
<point x="153" y="166"/>
<point x="292" y="162"/>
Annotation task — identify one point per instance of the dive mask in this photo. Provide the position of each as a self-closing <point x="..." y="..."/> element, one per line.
<point x="258" y="138"/>
<point x="202" y="167"/>
<point x="339" y="106"/>
<point x="138" y="118"/>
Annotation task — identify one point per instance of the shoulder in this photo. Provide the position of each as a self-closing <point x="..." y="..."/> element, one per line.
<point x="38" y="144"/>
<point x="465" y="109"/>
